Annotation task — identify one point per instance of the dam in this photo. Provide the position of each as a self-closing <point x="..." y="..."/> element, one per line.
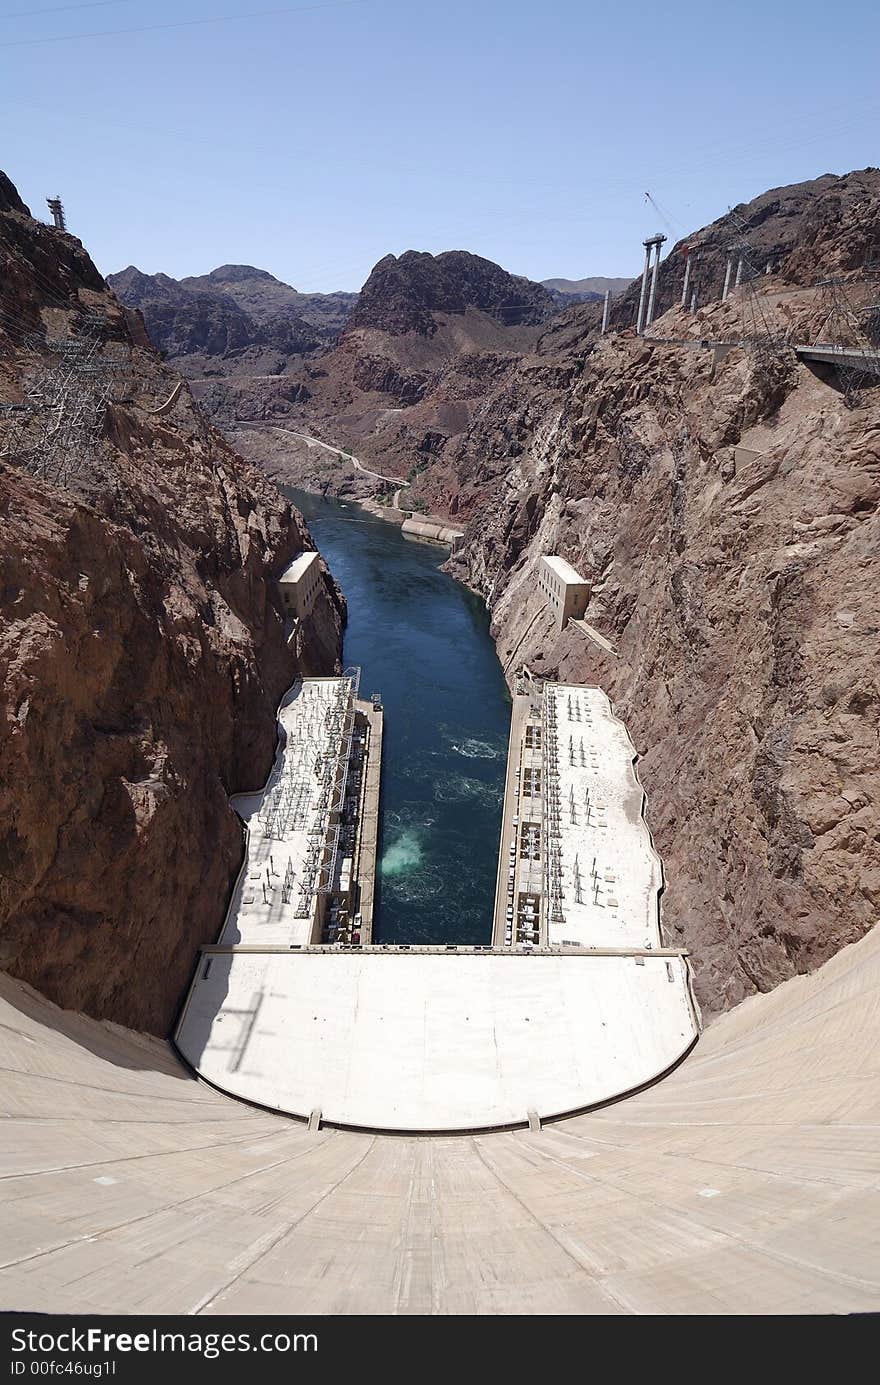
<point x="451" y="1038"/>
<point x="572" y="1001"/>
<point x="744" y="1182"/>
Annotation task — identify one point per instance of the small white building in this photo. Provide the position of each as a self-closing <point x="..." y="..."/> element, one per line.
<point x="299" y="584"/>
<point x="563" y="588"/>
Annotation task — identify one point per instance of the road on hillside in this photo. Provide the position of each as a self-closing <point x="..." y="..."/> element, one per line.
<point x="332" y="447"/>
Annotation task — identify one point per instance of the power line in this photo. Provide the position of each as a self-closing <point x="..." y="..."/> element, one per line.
<point x="56" y="9"/>
<point x="180" y="24"/>
<point x="45" y="285"/>
<point x="841" y="322"/>
<point x="55" y="436"/>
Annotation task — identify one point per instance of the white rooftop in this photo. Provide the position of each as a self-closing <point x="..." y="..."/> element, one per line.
<point x="266" y="903"/>
<point x="430" y="1040"/>
<point x="562" y="568"/>
<point x="301" y="564"/>
<point x="435" y="1041"/>
<point x="610" y="873"/>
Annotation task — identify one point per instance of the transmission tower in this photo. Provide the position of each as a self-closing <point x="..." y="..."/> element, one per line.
<point x="56" y="208"/>
<point x="759" y="331"/>
<point x="55" y="436"/>
<point x="869" y="312"/>
<point x="842" y="327"/>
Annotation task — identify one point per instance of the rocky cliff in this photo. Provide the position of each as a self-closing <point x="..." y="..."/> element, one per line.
<point x="204" y="329"/>
<point x="404" y="293"/>
<point x="425" y="339"/>
<point x="723" y="505"/>
<point x="142" y="647"/>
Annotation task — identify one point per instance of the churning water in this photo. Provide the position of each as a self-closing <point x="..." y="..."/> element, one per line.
<point x="422" y="641"/>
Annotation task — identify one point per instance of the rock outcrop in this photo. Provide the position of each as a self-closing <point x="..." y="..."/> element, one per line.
<point x="9" y="198"/>
<point x="142" y="647"/>
<point x="395" y="376"/>
<point x="724" y="507"/>
<point x="404" y="293"/>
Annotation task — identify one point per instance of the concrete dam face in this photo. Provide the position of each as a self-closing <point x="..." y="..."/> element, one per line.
<point x="745" y="1182"/>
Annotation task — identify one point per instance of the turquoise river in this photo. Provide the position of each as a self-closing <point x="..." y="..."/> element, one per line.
<point x="422" y="641"/>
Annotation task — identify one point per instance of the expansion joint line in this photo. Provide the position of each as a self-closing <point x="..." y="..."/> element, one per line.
<point x="263" y="1248"/>
<point x="548" y="1231"/>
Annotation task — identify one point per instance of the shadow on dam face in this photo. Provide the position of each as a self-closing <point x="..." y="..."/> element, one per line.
<point x="744" y="1183"/>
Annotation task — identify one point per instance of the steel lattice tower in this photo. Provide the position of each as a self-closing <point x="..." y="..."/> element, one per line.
<point x="842" y="327"/>
<point x="55" y="435"/>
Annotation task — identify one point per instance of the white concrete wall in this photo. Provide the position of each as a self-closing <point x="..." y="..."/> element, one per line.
<point x="744" y="1183"/>
<point x="435" y="1041"/>
<point x="567" y="598"/>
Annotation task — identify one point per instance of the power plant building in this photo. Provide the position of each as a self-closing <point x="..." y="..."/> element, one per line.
<point x="564" y="589"/>
<point x="299" y="584"/>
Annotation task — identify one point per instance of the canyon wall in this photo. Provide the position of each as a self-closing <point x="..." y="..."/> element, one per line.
<point x="142" y="645"/>
<point x="399" y="373"/>
<point x="721" y="502"/>
<point x="724" y="507"/>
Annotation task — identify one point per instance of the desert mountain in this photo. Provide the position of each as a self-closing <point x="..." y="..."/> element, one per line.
<point x="568" y="291"/>
<point x="409" y="377"/>
<point x="426" y="337"/>
<point x="405" y="293"/>
<point x="265" y="298"/>
<point x="225" y="324"/>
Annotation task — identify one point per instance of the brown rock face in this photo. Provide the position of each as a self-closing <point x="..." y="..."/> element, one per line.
<point x="199" y="322"/>
<point x="725" y="511"/>
<point x="425" y="339"/>
<point x="9" y="198"/>
<point x="404" y="293"/>
<point x="802" y="232"/>
<point x="142" y="656"/>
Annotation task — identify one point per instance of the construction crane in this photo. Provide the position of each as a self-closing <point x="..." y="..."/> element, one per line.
<point x="670" y="225"/>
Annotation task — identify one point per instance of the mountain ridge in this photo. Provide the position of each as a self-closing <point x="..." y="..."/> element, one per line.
<point x="568" y="291"/>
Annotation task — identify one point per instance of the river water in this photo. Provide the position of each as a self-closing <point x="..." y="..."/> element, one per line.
<point x="422" y="641"/>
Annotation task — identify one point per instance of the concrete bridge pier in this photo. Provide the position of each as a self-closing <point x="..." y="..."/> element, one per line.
<point x="728" y="272"/>
<point x="645" y="319"/>
<point x="640" y="320"/>
<point x="687" y="279"/>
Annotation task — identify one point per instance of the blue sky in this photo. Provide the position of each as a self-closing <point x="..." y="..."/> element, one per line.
<point x="312" y="140"/>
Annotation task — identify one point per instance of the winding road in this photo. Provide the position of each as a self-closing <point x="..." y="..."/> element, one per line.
<point x="332" y="447"/>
